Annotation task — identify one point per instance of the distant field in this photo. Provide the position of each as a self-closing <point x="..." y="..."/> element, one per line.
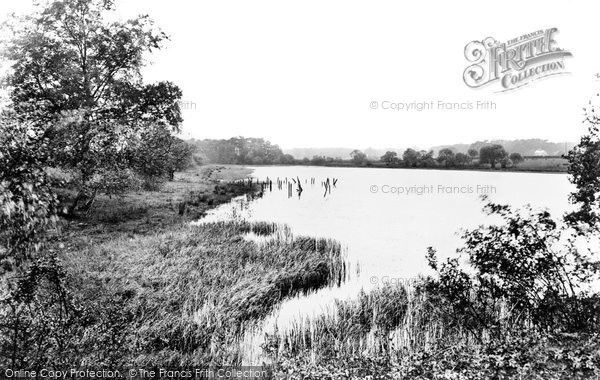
<point x="543" y="164"/>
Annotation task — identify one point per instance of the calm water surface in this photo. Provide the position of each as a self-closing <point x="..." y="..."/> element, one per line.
<point x="386" y="218"/>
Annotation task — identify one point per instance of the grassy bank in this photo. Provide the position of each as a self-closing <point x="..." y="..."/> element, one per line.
<point x="140" y="285"/>
<point x="201" y="188"/>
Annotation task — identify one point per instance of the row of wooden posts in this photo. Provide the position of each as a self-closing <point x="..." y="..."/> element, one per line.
<point x="288" y="184"/>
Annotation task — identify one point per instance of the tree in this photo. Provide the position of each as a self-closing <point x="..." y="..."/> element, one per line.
<point x="240" y="150"/>
<point x="462" y="159"/>
<point x="180" y="156"/>
<point x="516" y="158"/>
<point x="492" y="154"/>
<point x="78" y="76"/>
<point x="584" y="170"/>
<point x="358" y="157"/>
<point x="288" y="159"/>
<point x="473" y="153"/>
<point x="446" y="157"/>
<point x="426" y="159"/>
<point x="411" y="157"/>
<point x="317" y="160"/>
<point x="390" y="158"/>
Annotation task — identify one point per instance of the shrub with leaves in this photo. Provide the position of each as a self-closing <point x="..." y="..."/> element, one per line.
<point x="39" y="319"/>
<point x="521" y="275"/>
<point x="27" y="204"/>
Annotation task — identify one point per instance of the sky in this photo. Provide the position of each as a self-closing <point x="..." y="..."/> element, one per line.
<point x="306" y="74"/>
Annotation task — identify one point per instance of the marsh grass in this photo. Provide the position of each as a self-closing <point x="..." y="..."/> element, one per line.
<point x="188" y="294"/>
<point x="403" y="331"/>
<point x="389" y="321"/>
<point x="151" y="288"/>
<point x="350" y="327"/>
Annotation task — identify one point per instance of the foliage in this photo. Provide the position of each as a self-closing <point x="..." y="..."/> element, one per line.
<point x="413" y="158"/>
<point x="40" y="319"/>
<point x="492" y="154"/>
<point x="28" y="205"/>
<point x="525" y="147"/>
<point x="584" y="170"/>
<point x="520" y="268"/>
<point x="241" y="150"/>
<point x="321" y="160"/>
<point x="462" y="159"/>
<point x="390" y="158"/>
<point x="77" y="76"/>
<point x="526" y="355"/>
<point x="410" y="157"/>
<point x="446" y="157"/>
<point x="505" y="163"/>
<point x="516" y="158"/>
<point x="358" y="157"/>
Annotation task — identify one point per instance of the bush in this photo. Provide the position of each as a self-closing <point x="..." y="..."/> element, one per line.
<point x="521" y="276"/>
<point x="506" y="163"/>
<point x="27" y="204"/>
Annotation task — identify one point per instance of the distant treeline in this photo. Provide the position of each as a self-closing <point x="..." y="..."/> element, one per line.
<point x="258" y="151"/>
<point x="239" y="150"/>
<point x="525" y="147"/>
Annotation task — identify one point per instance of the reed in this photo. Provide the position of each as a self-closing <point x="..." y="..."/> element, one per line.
<point x="192" y="292"/>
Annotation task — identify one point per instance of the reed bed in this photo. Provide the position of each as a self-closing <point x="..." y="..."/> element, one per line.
<point x="350" y="327"/>
<point x="390" y="321"/>
<point x="404" y="331"/>
<point x="189" y="294"/>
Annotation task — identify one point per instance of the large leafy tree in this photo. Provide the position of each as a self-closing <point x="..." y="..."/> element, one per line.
<point x="390" y="158"/>
<point x="446" y="157"/>
<point x="411" y="157"/>
<point x="492" y="154"/>
<point x="358" y="157"/>
<point x="584" y="170"/>
<point x="78" y="75"/>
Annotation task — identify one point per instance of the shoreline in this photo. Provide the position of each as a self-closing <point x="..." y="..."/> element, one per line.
<point x="189" y="289"/>
<point x="507" y="170"/>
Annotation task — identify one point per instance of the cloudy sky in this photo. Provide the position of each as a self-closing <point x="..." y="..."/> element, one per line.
<point x="306" y="73"/>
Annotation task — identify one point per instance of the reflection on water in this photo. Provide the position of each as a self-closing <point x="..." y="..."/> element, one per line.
<point x="385" y="218"/>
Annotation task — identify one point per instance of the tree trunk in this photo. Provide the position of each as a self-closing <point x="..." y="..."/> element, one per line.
<point x="80" y="196"/>
<point x="90" y="202"/>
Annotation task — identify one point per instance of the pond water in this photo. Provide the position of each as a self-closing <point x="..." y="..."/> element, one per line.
<point x="386" y="218"/>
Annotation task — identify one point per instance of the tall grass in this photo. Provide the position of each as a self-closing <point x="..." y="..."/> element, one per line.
<point x="405" y="331"/>
<point x="390" y="321"/>
<point x="187" y="295"/>
<point x="350" y="327"/>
